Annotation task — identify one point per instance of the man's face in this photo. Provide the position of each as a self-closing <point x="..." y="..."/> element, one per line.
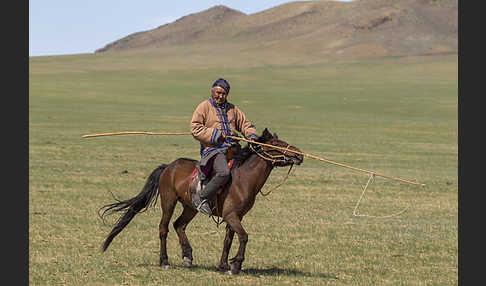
<point x="219" y="94"/>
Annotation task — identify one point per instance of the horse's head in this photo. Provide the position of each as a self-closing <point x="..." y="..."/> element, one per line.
<point x="280" y="157"/>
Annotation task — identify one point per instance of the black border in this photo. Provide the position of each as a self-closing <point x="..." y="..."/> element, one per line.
<point x="15" y="144"/>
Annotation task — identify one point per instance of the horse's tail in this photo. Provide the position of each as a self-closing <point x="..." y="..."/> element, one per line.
<point x="140" y="203"/>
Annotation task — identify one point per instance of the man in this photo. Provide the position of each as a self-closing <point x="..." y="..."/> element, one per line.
<point x="212" y="121"/>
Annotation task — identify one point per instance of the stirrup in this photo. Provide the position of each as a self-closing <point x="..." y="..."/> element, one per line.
<point x="204" y="210"/>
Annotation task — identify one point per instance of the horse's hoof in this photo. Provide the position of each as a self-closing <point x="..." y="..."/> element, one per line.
<point x="223" y="268"/>
<point x="234" y="269"/>
<point x="166" y="267"/>
<point x="187" y="261"/>
<point x="228" y="272"/>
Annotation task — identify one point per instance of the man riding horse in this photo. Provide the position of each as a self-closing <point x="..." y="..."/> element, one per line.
<point x="211" y="122"/>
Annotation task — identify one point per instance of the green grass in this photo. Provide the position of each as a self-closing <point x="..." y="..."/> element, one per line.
<point x="395" y="116"/>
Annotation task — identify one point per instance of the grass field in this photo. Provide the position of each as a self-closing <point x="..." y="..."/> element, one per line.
<point x="395" y="116"/>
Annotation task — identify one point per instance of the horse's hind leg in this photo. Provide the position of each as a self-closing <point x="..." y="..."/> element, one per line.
<point x="180" y="227"/>
<point x="228" y="240"/>
<point x="168" y="201"/>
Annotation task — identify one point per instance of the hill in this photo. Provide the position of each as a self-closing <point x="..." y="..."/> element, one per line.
<point x="310" y="29"/>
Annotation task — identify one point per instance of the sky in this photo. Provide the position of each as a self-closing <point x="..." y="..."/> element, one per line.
<point x="60" y="27"/>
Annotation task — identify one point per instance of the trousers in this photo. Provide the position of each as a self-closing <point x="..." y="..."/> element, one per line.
<point x="221" y="177"/>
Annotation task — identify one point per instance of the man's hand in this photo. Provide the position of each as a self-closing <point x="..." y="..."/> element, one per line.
<point x="221" y="138"/>
<point x="253" y="137"/>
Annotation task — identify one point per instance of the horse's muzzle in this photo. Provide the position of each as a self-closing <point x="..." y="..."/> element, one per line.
<point x="295" y="158"/>
<point x="298" y="159"/>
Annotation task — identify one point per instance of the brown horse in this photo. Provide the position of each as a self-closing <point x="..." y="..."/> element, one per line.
<point x="253" y="165"/>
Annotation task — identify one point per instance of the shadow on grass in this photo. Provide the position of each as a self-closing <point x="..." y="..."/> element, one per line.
<point x="272" y="271"/>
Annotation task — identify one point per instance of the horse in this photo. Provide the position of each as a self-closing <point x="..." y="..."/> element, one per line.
<point x="253" y="165"/>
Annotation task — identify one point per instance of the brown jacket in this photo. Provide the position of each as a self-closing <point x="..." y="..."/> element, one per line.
<point x="209" y="121"/>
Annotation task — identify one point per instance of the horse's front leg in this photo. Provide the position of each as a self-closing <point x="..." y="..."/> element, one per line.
<point x="235" y="223"/>
<point x="228" y="239"/>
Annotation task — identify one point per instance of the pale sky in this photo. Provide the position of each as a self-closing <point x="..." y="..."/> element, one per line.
<point x="77" y="27"/>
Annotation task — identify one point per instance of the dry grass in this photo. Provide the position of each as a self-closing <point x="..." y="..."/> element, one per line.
<point x="394" y="116"/>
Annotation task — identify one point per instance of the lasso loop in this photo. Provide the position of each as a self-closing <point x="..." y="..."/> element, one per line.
<point x="355" y="211"/>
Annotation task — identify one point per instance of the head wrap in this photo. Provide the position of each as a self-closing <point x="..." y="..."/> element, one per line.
<point x="221" y="82"/>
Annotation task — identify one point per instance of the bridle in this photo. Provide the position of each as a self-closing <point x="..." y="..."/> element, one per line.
<point x="280" y="158"/>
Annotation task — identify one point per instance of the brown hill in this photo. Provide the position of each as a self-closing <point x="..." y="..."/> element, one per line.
<point x="316" y="29"/>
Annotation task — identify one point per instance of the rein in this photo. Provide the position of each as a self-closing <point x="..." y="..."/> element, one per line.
<point x="273" y="159"/>
<point x="268" y="193"/>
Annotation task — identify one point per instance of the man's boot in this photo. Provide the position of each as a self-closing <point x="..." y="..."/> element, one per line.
<point x="201" y="205"/>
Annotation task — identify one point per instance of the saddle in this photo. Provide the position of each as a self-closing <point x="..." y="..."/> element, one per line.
<point x="196" y="185"/>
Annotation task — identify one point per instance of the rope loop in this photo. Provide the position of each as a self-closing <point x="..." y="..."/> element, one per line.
<point x="355" y="211"/>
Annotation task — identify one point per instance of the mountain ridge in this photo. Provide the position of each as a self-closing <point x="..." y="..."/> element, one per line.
<point x="361" y="28"/>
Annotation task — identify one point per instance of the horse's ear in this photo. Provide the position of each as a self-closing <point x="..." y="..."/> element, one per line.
<point x="266" y="134"/>
<point x="275" y="135"/>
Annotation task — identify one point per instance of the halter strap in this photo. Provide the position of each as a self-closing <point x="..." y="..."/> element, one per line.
<point x="269" y="157"/>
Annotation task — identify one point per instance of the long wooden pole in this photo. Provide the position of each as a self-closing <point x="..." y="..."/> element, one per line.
<point x="328" y="161"/>
<point x="135" y="132"/>
<point x="263" y="144"/>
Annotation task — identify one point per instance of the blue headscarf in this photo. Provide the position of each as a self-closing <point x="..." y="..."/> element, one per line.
<point x="221" y="82"/>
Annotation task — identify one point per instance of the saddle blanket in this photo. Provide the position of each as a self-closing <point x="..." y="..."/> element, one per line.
<point x="195" y="183"/>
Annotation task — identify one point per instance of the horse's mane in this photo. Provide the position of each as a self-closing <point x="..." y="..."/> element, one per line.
<point x="241" y="156"/>
<point x="244" y="153"/>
